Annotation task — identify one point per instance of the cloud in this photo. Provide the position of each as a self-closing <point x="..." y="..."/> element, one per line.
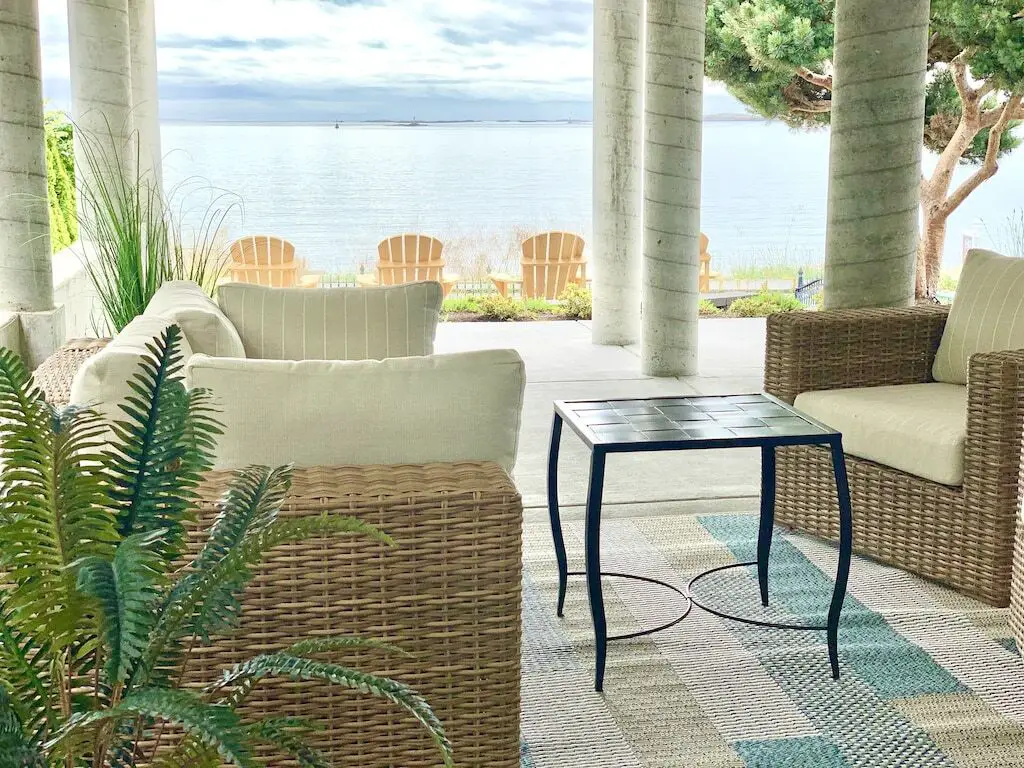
<point x="360" y="59"/>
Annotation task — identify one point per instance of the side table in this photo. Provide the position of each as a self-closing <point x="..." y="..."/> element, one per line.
<point x="691" y="423"/>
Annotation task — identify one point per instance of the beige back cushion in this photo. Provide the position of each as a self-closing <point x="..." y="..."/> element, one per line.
<point x="411" y="410"/>
<point x="334" y="323"/>
<point x="206" y="327"/>
<point x="987" y="314"/>
<point x="102" y="380"/>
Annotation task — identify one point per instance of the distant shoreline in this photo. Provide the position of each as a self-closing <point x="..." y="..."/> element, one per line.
<point x="712" y="118"/>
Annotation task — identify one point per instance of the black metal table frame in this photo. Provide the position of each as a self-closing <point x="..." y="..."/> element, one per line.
<point x="592" y="533"/>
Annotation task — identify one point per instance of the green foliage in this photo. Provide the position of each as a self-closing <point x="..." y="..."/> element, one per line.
<point x="137" y="234"/>
<point x="757" y="47"/>
<point x="60" y="177"/>
<point x="764" y="304"/>
<point x="97" y="612"/>
<point x="708" y="309"/>
<point x="502" y="309"/>
<point x="576" y="303"/>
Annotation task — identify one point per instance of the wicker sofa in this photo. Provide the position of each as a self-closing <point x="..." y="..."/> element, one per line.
<point x="960" y="535"/>
<point x="449" y="593"/>
<point x="1017" y="589"/>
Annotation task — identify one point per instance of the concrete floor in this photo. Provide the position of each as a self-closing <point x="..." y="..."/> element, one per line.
<point x="563" y="364"/>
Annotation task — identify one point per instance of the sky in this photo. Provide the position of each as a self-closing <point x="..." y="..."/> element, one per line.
<point x="313" y="60"/>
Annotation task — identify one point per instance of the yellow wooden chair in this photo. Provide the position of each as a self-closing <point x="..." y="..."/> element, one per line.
<point x="706" y="275"/>
<point x="409" y="259"/>
<point x="270" y="261"/>
<point x="550" y="262"/>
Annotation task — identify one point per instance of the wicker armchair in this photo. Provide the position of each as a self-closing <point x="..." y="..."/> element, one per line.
<point x="448" y="593"/>
<point x="960" y="536"/>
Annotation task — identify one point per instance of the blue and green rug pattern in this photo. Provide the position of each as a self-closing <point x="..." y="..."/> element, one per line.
<point x="929" y="678"/>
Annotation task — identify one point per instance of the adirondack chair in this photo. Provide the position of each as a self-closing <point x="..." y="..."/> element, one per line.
<point x="550" y="262"/>
<point x="706" y="274"/>
<point x="409" y="259"/>
<point x="269" y="261"/>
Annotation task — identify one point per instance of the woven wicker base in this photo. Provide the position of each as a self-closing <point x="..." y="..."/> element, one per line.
<point x="55" y="374"/>
<point x="1017" y="589"/>
<point x="891" y="508"/>
<point x="448" y="593"/>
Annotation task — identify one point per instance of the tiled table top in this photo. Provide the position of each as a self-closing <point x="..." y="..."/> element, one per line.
<point x="674" y="423"/>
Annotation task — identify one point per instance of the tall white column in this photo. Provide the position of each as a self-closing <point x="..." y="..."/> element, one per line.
<point x="26" y="280"/>
<point x="674" y="111"/>
<point x="101" y="86"/>
<point x="618" y="83"/>
<point x="145" y="90"/>
<point x="878" y="95"/>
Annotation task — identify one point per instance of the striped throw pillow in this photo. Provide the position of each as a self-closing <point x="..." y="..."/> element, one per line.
<point x="333" y="323"/>
<point x="987" y="314"/>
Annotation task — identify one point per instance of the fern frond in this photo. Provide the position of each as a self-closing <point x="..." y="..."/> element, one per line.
<point x="287" y="734"/>
<point x="215" y="726"/>
<point x="298" y="668"/>
<point x="126" y="588"/>
<point x="315" y="645"/>
<point x="23" y="672"/>
<point x="177" y="617"/>
<point x="161" y="447"/>
<point x="51" y="508"/>
<point x="17" y="748"/>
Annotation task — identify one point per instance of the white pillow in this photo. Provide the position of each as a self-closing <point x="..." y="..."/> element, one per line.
<point x="207" y="329"/>
<point x="102" y="380"/>
<point x="334" y="323"/>
<point x="413" y="410"/>
<point x="987" y="314"/>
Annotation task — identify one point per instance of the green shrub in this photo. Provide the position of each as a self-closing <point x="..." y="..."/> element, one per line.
<point x="461" y="304"/>
<point x="540" y="307"/>
<point x="502" y="309"/>
<point x="708" y="309"/>
<point x="577" y="303"/>
<point x="764" y="304"/>
<point x="60" y="179"/>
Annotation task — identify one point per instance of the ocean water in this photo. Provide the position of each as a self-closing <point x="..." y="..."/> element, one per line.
<point x="336" y="192"/>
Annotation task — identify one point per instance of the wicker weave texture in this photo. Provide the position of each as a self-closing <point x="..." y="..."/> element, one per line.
<point x="1017" y="588"/>
<point x="448" y="593"/>
<point x="54" y="375"/>
<point x="963" y="536"/>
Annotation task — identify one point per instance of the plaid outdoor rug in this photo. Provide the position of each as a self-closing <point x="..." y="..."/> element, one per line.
<point x="929" y="678"/>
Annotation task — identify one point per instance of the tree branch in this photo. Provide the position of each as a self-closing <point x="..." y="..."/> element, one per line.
<point x="958" y="68"/>
<point x="990" y="117"/>
<point x="814" y="78"/>
<point x="990" y="165"/>
<point x="814" y="109"/>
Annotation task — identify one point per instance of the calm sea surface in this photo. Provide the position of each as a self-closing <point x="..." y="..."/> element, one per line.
<point x="336" y="193"/>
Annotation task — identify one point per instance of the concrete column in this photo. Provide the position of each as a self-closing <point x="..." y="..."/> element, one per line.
<point x="878" y="94"/>
<point x="674" y="112"/>
<point x="101" y="86"/>
<point x="26" y="281"/>
<point x="145" y="91"/>
<point x="618" y="82"/>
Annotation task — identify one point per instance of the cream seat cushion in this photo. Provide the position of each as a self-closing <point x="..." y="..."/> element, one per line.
<point x="102" y="380"/>
<point x="916" y="428"/>
<point x="987" y="314"/>
<point x="206" y="327"/>
<point x="334" y="323"/>
<point x="411" y="410"/>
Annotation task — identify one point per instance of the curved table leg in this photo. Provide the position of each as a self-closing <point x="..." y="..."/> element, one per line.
<point x="556" y="520"/>
<point x="845" y="553"/>
<point x="593" y="565"/>
<point x="764" y="534"/>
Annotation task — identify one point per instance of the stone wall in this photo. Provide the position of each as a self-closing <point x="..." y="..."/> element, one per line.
<point x="73" y="290"/>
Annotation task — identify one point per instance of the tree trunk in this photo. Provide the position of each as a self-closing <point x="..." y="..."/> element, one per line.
<point x="878" y="97"/>
<point x="26" y="281"/>
<point x="933" y="240"/>
<point x="672" y="154"/>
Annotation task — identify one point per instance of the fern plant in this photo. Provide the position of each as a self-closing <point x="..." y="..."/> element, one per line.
<point x="96" y="611"/>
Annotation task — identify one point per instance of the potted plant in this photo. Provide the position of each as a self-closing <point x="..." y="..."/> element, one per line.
<point x="97" y="610"/>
